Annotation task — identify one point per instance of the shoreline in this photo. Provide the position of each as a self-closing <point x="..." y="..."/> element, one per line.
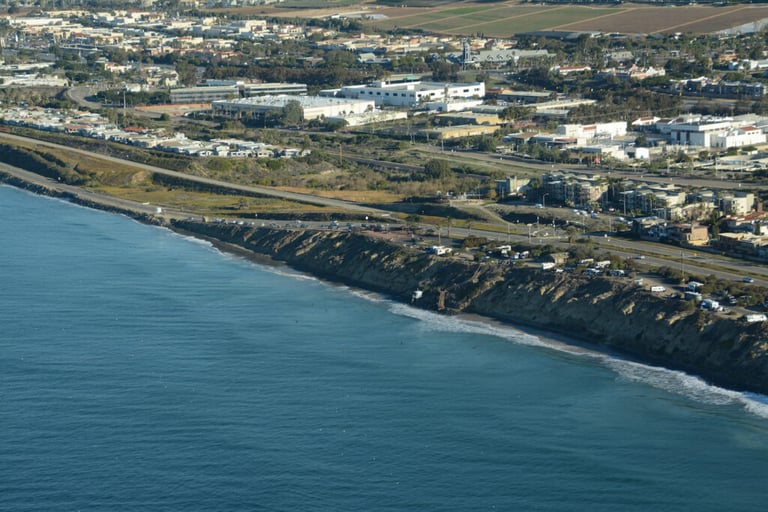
<point x="557" y="341"/>
<point x="543" y="305"/>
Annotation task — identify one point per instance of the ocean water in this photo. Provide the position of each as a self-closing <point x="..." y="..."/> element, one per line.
<point x="142" y="370"/>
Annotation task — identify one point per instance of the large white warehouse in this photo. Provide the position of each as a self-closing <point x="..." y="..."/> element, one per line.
<point x="312" y="107"/>
<point x="412" y="94"/>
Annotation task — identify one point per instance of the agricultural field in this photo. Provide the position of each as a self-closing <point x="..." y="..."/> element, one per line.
<point x="504" y="19"/>
<point x="693" y="19"/>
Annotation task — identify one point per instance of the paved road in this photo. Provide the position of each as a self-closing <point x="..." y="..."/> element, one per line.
<point x="79" y="94"/>
<point x="84" y="193"/>
<point x="263" y="191"/>
<point x="691" y="261"/>
<point x="501" y="161"/>
<point x="656" y="254"/>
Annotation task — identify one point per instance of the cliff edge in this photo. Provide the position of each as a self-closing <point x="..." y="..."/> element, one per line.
<point x="612" y="312"/>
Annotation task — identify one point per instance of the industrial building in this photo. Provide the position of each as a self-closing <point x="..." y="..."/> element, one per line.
<point x="204" y="94"/>
<point x="585" y="133"/>
<point x="312" y="107"/>
<point x="709" y="132"/>
<point x="249" y="90"/>
<point x="213" y="90"/>
<point x="410" y="94"/>
<point x="739" y="137"/>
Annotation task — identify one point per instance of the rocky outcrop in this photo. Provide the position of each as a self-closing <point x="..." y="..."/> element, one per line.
<point x="612" y="312"/>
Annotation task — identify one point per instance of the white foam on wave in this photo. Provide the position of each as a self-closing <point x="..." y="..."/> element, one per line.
<point x="365" y="294"/>
<point x="671" y="381"/>
<point x="191" y="239"/>
<point x="442" y="323"/>
<point x="690" y="386"/>
<point x="278" y="270"/>
<point x="755" y="403"/>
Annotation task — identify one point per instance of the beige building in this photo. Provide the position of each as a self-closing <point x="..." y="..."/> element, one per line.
<point x="462" y="118"/>
<point x="738" y="203"/>
<point x="455" y="132"/>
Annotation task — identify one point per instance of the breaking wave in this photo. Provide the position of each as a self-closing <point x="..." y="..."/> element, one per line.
<point x="671" y="381"/>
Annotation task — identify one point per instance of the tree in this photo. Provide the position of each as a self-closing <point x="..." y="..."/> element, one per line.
<point x="714" y="224"/>
<point x="413" y="221"/>
<point x="515" y="113"/>
<point x="339" y="58"/>
<point x="292" y="113"/>
<point x="187" y="72"/>
<point x="488" y="143"/>
<point x="572" y="231"/>
<point x="437" y="169"/>
<point x="445" y="71"/>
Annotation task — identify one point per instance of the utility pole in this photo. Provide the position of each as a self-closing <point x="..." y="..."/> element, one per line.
<point x="682" y="268"/>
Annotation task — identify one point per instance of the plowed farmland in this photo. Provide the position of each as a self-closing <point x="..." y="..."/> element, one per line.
<point x="506" y="19"/>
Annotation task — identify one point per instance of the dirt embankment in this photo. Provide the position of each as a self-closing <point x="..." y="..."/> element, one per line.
<point x="608" y="311"/>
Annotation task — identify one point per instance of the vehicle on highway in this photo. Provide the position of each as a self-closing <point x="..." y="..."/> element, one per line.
<point x="747" y="280"/>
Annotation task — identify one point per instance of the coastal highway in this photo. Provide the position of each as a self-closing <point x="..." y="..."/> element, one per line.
<point x="83" y="193"/>
<point x="502" y="162"/>
<point x="656" y="254"/>
<point x="691" y="261"/>
<point x="262" y="191"/>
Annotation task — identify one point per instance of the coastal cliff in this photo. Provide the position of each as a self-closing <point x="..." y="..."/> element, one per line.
<point x="612" y="312"/>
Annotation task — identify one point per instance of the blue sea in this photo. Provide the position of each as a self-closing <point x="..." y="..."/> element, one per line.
<point x="143" y="370"/>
